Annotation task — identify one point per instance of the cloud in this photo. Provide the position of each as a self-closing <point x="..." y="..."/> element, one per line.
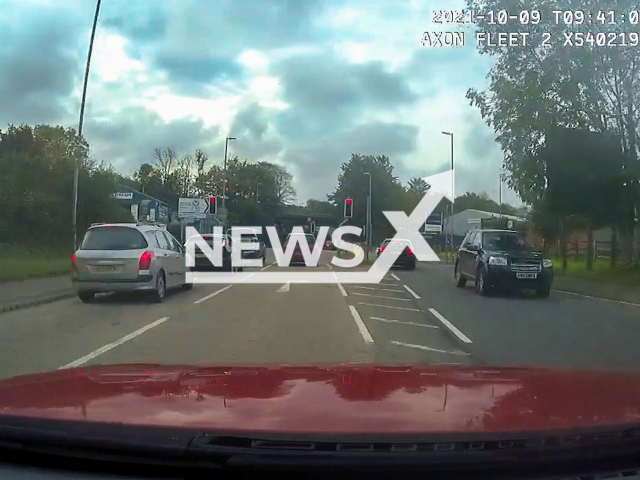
<point x="256" y="139"/>
<point x="300" y="83"/>
<point x="39" y="60"/>
<point x="127" y="139"/>
<point x="316" y="165"/>
<point x="327" y="94"/>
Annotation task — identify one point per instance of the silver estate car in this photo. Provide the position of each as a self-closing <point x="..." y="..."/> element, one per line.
<point x="128" y="257"/>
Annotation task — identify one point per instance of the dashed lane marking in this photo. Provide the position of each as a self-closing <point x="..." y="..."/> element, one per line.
<point x="415" y="295"/>
<point x="389" y="306"/>
<point x="450" y="326"/>
<point x="429" y="349"/>
<point x="380" y="319"/>
<point x="378" y="289"/>
<point x="384" y="298"/>
<point x="110" y="346"/>
<point x="361" y="326"/>
<point x="211" y="295"/>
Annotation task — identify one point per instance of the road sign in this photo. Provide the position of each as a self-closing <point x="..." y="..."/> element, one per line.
<point x="191" y="216"/>
<point x="510" y="224"/>
<point x="123" y="195"/>
<point x="193" y="205"/>
<point x="433" y="223"/>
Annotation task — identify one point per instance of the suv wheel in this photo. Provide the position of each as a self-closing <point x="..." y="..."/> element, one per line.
<point x="86" y="297"/>
<point x="481" y="283"/>
<point x="460" y="280"/>
<point x="161" y="288"/>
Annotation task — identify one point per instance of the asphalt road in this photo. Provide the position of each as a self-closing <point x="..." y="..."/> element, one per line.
<point x="410" y="317"/>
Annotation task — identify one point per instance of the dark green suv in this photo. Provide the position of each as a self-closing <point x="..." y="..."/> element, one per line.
<point x="501" y="259"/>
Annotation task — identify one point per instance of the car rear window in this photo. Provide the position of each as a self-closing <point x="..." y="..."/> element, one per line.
<point x="113" y="238"/>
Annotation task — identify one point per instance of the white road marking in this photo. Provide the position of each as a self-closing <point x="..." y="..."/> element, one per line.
<point x="342" y="290"/>
<point x="389" y="306"/>
<point x="264" y="268"/>
<point x="329" y="265"/>
<point x="380" y="319"/>
<point x="415" y="295"/>
<point x="284" y="288"/>
<point x="109" y="346"/>
<point x="597" y="298"/>
<point x="378" y="289"/>
<point x="450" y="326"/>
<point x="211" y="295"/>
<point x="395" y="277"/>
<point x="385" y="298"/>
<point x="361" y="326"/>
<point x="422" y="347"/>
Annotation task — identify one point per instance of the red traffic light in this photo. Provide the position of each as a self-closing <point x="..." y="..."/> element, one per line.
<point x="213" y="205"/>
<point x="348" y="208"/>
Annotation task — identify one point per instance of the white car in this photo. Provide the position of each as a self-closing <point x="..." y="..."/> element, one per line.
<point x="128" y="257"/>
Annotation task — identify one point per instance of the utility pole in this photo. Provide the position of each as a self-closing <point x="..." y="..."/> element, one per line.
<point x="224" y="181"/>
<point x="500" y="193"/>
<point x="76" y="171"/>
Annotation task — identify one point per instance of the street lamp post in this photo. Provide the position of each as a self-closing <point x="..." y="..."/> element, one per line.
<point x="224" y="181"/>
<point x="369" y="237"/>
<point x="500" y="193"/>
<point x="453" y="186"/>
<point x="76" y="170"/>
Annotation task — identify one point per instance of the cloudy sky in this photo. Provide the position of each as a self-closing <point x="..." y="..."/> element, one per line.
<point x="303" y="83"/>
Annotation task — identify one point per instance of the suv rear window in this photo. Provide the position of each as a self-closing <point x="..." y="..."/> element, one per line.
<point x="113" y="238"/>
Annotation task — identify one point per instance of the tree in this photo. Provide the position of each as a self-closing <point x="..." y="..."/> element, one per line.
<point x="481" y="201"/>
<point x="36" y="171"/>
<point x="389" y="194"/>
<point x="323" y="207"/>
<point x="418" y="186"/>
<point x="534" y="88"/>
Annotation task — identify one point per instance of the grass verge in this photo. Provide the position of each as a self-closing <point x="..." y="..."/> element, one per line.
<point x="601" y="272"/>
<point x="20" y="264"/>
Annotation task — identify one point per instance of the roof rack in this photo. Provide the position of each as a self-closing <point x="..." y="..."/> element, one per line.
<point x="154" y="224"/>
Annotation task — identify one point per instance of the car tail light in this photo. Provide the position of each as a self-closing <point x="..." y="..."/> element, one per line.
<point x="381" y="249"/>
<point x="409" y="251"/>
<point x="74" y="267"/>
<point x="145" y="260"/>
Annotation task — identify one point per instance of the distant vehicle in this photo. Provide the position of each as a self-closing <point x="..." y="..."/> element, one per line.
<point x="128" y="257"/>
<point x="501" y="259"/>
<point x="297" y="256"/>
<point x="202" y="263"/>
<point x="249" y="235"/>
<point x="328" y="245"/>
<point x="406" y="259"/>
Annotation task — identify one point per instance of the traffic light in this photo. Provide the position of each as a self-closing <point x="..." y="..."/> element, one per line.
<point x="348" y="208"/>
<point x="213" y="205"/>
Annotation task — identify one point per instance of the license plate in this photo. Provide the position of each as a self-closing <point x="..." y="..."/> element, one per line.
<point x="107" y="269"/>
<point x="526" y="275"/>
